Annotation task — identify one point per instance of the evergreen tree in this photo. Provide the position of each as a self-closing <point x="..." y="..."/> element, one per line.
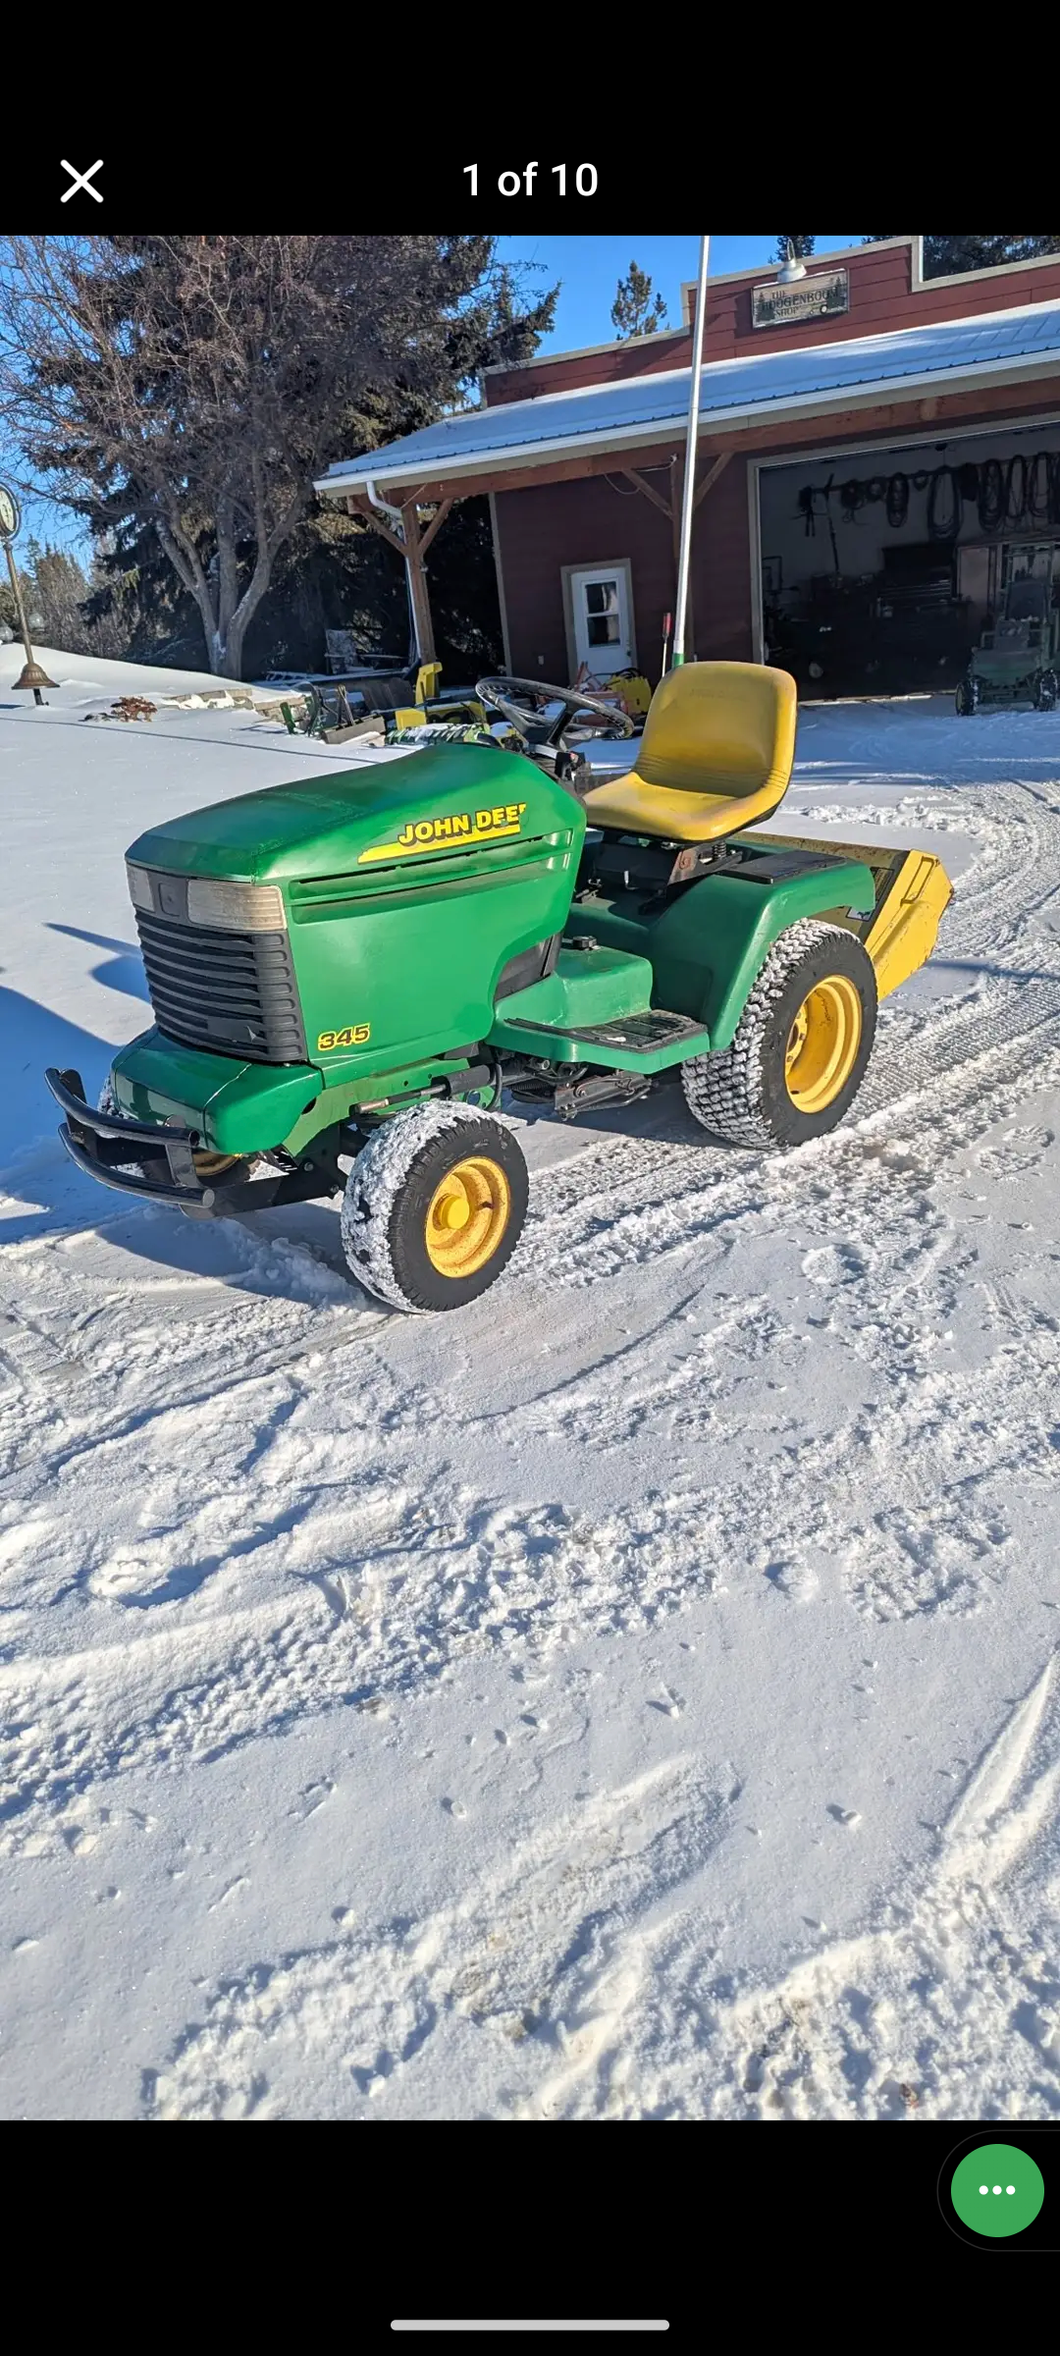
<point x="55" y="589"/>
<point x="636" y="309"/>
<point x="943" y="255"/>
<point x="799" y="246"/>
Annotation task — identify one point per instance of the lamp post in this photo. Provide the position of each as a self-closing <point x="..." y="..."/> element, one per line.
<point x="31" y="674"/>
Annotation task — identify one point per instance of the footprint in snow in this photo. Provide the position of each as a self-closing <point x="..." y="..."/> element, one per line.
<point x="1014" y="1152"/>
<point x="797" y="1580"/>
<point x="831" y="1264"/>
<point x="313" y="1797"/>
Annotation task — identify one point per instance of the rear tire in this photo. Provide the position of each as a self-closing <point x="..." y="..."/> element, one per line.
<point x="434" y="1206"/>
<point x="801" y="1047"/>
<point x="1046" y="690"/>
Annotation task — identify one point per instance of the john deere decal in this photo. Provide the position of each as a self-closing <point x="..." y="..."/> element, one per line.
<point x="472" y="826"/>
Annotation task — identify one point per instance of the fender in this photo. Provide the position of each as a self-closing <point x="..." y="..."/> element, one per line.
<point x="708" y="946"/>
<point x="715" y="940"/>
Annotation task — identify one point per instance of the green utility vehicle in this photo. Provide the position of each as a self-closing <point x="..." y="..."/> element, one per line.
<point x="349" y="972"/>
<point x="1017" y="660"/>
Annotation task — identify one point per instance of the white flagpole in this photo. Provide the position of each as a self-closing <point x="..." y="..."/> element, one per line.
<point x="685" y="549"/>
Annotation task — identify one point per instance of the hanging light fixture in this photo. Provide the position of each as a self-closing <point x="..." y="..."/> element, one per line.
<point x="792" y="269"/>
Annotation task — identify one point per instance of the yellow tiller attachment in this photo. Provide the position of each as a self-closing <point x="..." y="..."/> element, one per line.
<point x="912" y="892"/>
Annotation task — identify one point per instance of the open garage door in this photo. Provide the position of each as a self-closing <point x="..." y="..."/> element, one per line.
<point x="881" y="568"/>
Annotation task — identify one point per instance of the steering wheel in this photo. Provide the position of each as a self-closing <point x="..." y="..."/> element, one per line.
<point x="525" y="703"/>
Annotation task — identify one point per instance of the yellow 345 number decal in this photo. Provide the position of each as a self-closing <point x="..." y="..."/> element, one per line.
<point x="352" y="1035"/>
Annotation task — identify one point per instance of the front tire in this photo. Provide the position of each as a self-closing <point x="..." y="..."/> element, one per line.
<point x="966" y="700"/>
<point x="434" y="1207"/>
<point x="801" y="1047"/>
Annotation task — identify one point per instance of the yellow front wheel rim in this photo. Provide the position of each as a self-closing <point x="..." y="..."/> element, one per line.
<point x="822" y="1045"/>
<point x="210" y="1165"/>
<point x="467" y="1216"/>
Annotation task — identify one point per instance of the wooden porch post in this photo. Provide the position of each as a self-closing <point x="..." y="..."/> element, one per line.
<point x="413" y="546"/>
<point x="421" y="604"/>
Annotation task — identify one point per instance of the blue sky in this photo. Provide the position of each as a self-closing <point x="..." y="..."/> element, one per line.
<point x="590" y="268"/>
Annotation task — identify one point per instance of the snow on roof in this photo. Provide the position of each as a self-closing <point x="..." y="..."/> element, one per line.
<point x="1005" y="344"/>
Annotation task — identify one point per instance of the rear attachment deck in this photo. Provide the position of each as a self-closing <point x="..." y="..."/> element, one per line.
<point x="912" y="892"/>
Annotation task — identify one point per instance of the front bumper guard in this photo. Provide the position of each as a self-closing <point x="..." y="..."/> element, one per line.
<point x="100" y="1143"/>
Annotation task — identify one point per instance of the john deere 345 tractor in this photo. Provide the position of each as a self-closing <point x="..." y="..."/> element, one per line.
<point x="347" y="972"/>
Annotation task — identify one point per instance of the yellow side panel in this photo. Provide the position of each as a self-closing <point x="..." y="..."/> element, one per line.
<point x="912" y="892"/>
<point x="905" y="927"/>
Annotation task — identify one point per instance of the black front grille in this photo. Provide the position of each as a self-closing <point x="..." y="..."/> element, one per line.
<point x="233" y="992"/>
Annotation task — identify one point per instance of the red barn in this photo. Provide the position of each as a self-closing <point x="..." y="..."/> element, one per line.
<point x="879" y="454"/>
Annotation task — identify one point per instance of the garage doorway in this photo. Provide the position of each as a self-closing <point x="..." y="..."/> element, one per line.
<point x="881" y="567"/>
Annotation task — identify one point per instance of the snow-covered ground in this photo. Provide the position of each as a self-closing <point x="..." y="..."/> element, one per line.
<point x="630" y="1697"/>
<point x="81" y="682"/>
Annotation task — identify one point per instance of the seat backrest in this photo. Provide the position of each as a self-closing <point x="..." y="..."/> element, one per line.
<point x="719" y="727"/>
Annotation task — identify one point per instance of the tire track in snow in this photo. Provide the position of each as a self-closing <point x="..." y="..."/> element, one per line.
<point x="580" y="1980"/>
<point x="218" y="1673"/>
<point x="375" y="1596"/>
<point x="526" y="1978"/>
<point x="955" y="1983"/>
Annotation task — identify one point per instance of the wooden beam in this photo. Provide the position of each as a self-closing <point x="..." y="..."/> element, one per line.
<point x="421" y="604"/>
<point x="639" y="484"/>
<point x="540" y="474"/>
<point x="775" y="437"/>
<point x="361" y="507"/>
<point x="412" y="549"/>
<point x="710" y="478"/>
<point x="435" y="523"/>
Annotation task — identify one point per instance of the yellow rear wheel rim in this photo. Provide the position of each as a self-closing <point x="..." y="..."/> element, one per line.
<point x="467" y="1216"/>
<point x="822" y="1045"/>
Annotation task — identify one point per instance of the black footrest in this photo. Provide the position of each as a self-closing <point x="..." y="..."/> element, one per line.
<point x="639" y="1034"/>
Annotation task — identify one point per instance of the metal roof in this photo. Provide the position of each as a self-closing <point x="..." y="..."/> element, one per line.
<point x="1001" y="344"/>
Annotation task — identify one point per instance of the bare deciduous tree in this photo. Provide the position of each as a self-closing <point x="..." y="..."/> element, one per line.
<point x="197" y="384"/>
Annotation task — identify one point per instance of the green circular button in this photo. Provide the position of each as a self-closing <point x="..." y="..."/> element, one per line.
<point x="997" y="2190"/>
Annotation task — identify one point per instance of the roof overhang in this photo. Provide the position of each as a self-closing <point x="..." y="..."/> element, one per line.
<point x="522" y="457"/>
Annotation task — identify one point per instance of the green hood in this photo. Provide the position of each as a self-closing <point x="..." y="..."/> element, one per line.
<point x="324" y="826"/>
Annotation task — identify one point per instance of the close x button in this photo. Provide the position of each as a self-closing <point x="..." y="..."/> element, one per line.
<point x="82" y="180"/>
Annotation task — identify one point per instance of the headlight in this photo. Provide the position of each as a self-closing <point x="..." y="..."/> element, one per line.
<point x="198" y="899"/>
<point x="236" y="907"/>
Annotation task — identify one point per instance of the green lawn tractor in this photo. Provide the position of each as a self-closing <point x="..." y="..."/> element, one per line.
<point x="1017" y="661"/>
<point x="349" y="973"/>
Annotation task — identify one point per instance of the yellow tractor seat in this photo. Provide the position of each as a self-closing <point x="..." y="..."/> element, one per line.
<point x="715" y="756"/>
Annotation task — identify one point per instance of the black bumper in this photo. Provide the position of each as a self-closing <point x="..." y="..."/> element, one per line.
<point x="100" y="1143"/>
